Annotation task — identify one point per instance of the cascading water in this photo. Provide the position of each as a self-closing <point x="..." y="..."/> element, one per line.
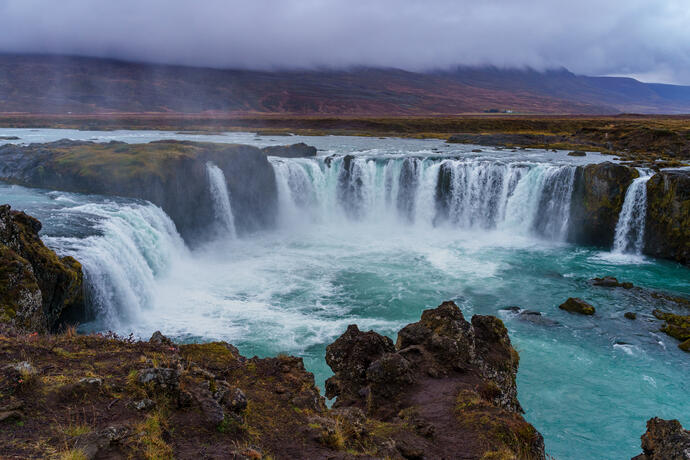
<point x="221" y="200"/>
<point x="133" y="245"/>
<point x="469" y="194"/>
<point x="629" y="236"/>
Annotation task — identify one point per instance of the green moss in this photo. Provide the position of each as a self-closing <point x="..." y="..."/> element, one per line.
<point x="214" y="355"/>
<point x="677" y="326"/>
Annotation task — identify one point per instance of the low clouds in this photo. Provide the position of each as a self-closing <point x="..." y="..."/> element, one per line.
<point x="649" y="39"/>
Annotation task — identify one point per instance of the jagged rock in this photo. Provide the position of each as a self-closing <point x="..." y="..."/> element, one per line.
<point x="234" y="400"/>
<point x="598" y="195"/>
<point x="350" y="356"/>
<point x="575" y="305"/>
<point x="38" y="289"/>
<point x="290" y="151"/>
<point x="93" y="443"/>
<point x="665" y="440"/>
<point x="160" y="339"/>
<point x="211" y="409"/>
<point x="161" y="377"/>
<point x="144" y="404"/>
<point x="667" y="225"/>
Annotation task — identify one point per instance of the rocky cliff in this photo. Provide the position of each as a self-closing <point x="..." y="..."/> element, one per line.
<point x="667" y="232"/>
<point x="665" y="440"/>
<point x="38" y="289"/>
<point x="598" y="196"/>
<point x="170" y="174"/>
<point x="445" y="390"/>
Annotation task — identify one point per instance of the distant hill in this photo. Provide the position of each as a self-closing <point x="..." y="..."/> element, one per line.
<point x="59" y="84"/>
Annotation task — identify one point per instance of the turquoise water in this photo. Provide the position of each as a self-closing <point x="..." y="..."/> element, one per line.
<point x="588" y="384"/>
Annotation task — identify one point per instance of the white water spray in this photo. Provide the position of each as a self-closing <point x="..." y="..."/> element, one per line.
<point x="629" y="236"/>
<point x="221" y="200"/>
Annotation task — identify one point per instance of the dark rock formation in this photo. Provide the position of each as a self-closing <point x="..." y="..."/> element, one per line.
<point x="299" y="150"/>
<point x="667" y="227"/>
<point x="598" y="195"/>
<point x="665" y="440"/>
<point x="170" y="174"/>
<point x="38" y="289"/>
<point x="630" y="315"/>
<point x="677" y="326"/>
<point x="575" y="305"/>
<point x="442" y="354"/>
<point x="577" y="153"/>
<point x="610" y="281"/>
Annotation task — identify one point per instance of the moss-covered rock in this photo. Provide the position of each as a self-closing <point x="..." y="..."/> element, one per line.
<point x="38" y="289"/>
<point x="677" y="326"/>
<point x="667" y="227"/>
<point x="575" y="305"/>
<point x="598" y="195"/>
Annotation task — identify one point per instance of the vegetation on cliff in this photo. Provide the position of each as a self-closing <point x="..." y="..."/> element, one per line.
<point x="37" y="288"/>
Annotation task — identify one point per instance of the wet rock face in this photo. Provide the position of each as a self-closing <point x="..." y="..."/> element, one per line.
<point x="665" y="440"/>
<point x="38" y="289"/>
<point x="667" y="226"/>
<point x="373" y="374"/>
<point x="598" y="195"/>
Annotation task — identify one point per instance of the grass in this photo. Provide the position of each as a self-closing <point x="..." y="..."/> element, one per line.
<point x="151" y="437"/>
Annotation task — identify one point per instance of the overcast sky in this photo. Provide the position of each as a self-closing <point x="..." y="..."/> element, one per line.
<point x="649" y="39"/>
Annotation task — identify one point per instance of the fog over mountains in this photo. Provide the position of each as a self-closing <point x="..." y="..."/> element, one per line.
<point x="60" y="84"/>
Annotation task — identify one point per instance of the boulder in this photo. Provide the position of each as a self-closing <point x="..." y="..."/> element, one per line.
<point x="676" y="326"/>
<point x="630" y="315"/>
<point x="665" y="440"/>
<point x="667" y="225"/>
<point x="598" y="195"/>
<point x="575" y="305"/>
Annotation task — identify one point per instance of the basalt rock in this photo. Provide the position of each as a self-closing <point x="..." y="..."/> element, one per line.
<point x="38" y="289"/>
<point x="300" y="150"/>
<point x="170" y="174"/>
<point x="598" y="195"/>
<point x="575" y="305"/>
<point x="372" y="374"/>
<point x="610" y="281"/>
<point x="676" y="326"/>
<point x="665" y="440"/>
<point x="667" y="226"/>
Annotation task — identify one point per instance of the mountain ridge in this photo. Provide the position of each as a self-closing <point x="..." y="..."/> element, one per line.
<point x="63" y="84"/>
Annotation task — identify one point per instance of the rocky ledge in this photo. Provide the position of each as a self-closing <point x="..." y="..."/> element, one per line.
<point x="38" y="289"/>
<point x="665" y="440"/>
<point x="171" y="174"/>
<point x="445" y="389"/>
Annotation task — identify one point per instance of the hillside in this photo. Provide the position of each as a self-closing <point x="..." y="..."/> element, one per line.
<point x="56" y="84"/>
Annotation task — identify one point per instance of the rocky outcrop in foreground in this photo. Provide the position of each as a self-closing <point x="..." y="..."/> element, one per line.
<point x="445" y="390"/>
<point x="38" y="289"/>
<point x="665" y="440"/>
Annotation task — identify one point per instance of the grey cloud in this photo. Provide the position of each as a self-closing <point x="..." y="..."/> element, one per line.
<point x="650" y="39"/>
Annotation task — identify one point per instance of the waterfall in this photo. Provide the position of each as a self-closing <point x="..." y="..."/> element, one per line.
<point x="221" y="200"/>
<point x="629" y="235"/>
<point x="133" y="245"/>
<point x="522" y="197"/>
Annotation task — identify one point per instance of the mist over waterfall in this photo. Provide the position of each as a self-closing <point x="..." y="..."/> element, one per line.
<point x="531" y="198"/>
<point x="629" y="236"/>
<point x="221" y="201"/>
